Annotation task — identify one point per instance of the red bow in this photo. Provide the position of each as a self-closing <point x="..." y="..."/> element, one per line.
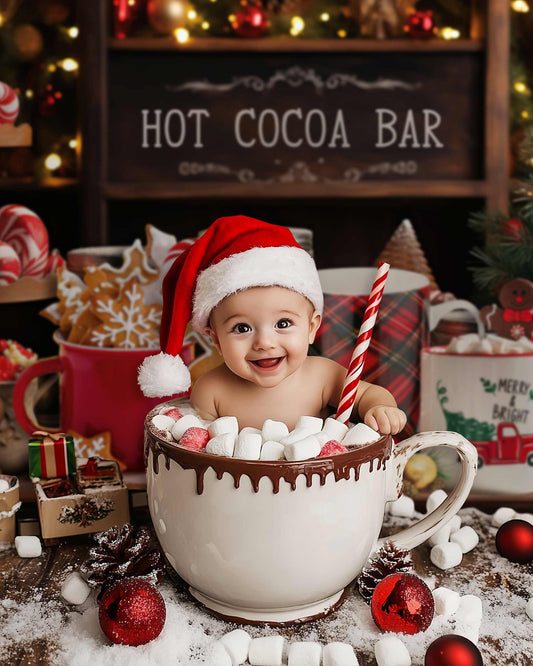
<point x="517" y="315"/>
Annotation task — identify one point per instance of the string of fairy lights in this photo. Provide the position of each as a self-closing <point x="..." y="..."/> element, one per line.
<point x="43" y="93"/>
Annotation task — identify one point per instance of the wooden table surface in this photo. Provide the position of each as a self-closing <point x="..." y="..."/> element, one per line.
<point x="22" y="579"/>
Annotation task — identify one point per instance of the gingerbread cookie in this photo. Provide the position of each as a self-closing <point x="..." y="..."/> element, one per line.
<point x="135" y="265"/>
<point x="513" y="317"/>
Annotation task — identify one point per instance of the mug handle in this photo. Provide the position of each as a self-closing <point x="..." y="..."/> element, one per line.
<point x="437" y="312"/>
<point x="421" y="531"/>
<point x="23" y="410"/>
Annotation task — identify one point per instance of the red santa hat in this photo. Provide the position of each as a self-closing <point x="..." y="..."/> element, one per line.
<point x="235" y="253"/>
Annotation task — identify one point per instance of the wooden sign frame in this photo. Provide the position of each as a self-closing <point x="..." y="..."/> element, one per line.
<point x="489" y="37"/>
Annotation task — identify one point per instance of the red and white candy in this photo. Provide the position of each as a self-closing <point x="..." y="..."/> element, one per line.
<point x="25" y="232"/>
<point x="54" y="261"/>
<point x="9" y="104"/>
<point x="9" y="264"/>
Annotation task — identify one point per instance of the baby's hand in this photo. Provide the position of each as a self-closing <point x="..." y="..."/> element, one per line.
<point x="385" y="419"/>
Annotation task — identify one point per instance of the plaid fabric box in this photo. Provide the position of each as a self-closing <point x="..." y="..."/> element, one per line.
<point x="51" y="455"/>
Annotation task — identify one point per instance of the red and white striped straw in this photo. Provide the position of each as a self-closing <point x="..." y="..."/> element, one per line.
<point x="353" y="375"/>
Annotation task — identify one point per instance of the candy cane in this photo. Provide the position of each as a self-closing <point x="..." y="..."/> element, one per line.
<point x="353" y="375"/>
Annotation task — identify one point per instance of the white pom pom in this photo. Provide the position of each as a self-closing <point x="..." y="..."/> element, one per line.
<point x="163" y="375"/>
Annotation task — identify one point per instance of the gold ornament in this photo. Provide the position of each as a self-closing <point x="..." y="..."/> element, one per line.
<point x="165" y="16"/>
<point x="421" y="470"/>
<point x="28" y="42"/>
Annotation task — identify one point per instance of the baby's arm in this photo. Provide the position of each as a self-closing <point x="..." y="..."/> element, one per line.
<point x="378" y="409"/>
<point x="203" y="398"/>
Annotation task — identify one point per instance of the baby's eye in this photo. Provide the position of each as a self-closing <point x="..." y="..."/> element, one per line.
<point x="242" y="328"/>
<point x="284" y="323"/>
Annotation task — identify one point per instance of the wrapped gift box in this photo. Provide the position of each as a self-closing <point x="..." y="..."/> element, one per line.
<point x="66" y="509"/>
<point x="51" y="455"/>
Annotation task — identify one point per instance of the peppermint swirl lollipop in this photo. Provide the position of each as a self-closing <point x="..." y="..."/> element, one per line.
<point x="25" y="232"/>
<point x="9" y="104"/>
<point x="9" y="264"/>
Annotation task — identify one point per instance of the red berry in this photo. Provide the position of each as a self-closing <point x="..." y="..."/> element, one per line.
<point x="174" y="413"/>
<point x="331" y="448"/>
<point x="194" y="439"/>
<point x="8" y="370"/>
<point x="132" y="612"/>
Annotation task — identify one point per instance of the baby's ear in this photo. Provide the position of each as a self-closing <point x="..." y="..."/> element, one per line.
<point x="314" y="325"/>
<point x="210" y="332"/>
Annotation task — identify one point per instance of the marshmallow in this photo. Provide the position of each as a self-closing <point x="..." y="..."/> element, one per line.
<point x="334" y="429"/>
<point x="295" y="436"/>
<point x="183" y="424"/>
<point x="390" y="651"/>
<point x="529" y="608"/>
<point x="466" y="537"/>
<point x="274" y="430"/>
<point x="224" y="425"/>
<point x="339" y="654"/>
<point x="74" y="589"/>
<point x="28" y="546"/>
<point x="305" y="653"/>
<point x="248" y="446"/>
<point x="162" y="422"/>
<point x="446" y="601"/>
<point x="446" y="555"/>
<point x="217" y="655"/>
<point x="528" y="517"/>
<point x="303" y="449"/>
<point x="272" y="451"/>
<point x="463" y="344"/>
<point x="442" y="535"/>
<point x="360" y="434"/>
<point x="469" y="616"/>
<point x="237" y="643"/>
<point x="249" y="429"/>
<point x="454" y="523"/>
<point x="502" y="515"/>
<point x="404" y="506"/>
<point x="221" y="445"/>
<point x="312" y="424"/>
<point x="266" y="651"/>
<point x="435" y="499"/>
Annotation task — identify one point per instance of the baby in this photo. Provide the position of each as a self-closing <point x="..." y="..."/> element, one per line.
<point x="256" y="293"/>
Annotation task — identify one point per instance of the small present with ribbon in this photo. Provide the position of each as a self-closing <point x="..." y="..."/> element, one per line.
<point x="51" y="455"/>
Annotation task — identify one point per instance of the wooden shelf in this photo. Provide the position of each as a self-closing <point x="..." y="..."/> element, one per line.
<point x="273" y="44"/>
<point x="360" y="190"/>
<point x="29" y="184"/>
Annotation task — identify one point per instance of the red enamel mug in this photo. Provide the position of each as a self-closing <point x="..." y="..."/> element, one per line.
<point x="98" y="392"/>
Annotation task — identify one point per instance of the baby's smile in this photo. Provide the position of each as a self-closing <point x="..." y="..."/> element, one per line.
<point x="267" y="363"/>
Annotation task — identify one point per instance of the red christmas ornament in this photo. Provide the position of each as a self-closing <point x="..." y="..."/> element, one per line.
<point x="452" y="650"/>
<point x="420" y="25"/>
<point x="513" y="228"/>
<point x="132" y="612"/>
<point x="124" y="14"/>
<point x="250" y="20"/>
<point x="403" y="603"/>
<point x="514" y="541"/>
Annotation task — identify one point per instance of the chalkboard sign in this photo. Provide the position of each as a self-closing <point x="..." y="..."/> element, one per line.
<point x="294" y="118"/>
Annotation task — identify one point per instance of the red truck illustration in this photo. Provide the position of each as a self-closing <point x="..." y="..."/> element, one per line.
<point x="510" y="447"/>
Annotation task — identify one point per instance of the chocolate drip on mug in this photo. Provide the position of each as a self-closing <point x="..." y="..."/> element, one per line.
<point x="340" y="464"/>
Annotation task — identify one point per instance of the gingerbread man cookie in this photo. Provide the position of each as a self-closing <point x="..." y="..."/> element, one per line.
<point x="513" y="318"/>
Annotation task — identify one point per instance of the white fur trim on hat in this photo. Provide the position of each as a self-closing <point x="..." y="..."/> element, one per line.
<point x="283" y="266"/>
<point x="162" y="375"/>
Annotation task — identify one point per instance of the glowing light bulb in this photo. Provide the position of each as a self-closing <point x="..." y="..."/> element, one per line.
<point x="181" y="35"/>
<point x="29" y="93"/>
<point x="69" y="64"/>
<point x="297" y="25"/>
<point x="520" y="87"/>
<point x="525" y="114"/>
<point x="520" y="6"/>
<point x="52" y="162"/>
<point x="191" y="14"/>
<point x="324" y="17"/>
<point x="73" y="143"/>
<point x="51" y="68"/>
<point x="341" y="33"/>
<point x="450" y="33"/>
<point x="73" y="32"/>
<point x="205" y="25"/>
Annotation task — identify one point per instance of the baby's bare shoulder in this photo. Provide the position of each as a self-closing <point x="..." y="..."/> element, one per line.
<point x="322" y="365"/>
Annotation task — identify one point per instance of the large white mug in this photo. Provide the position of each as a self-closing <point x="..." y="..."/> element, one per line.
<point x="279" y="542"/>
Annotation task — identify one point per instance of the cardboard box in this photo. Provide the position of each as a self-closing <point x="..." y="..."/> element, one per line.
<point x="66" y="510"/>
<point x="9" y="504"/>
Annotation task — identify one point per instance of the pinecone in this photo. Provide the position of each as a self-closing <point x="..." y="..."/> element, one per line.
<point x="388" y="560"/>
<point x="122" y="553"/>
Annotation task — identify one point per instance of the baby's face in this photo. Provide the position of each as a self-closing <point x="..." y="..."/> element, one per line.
<point x="263" y="333"/>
